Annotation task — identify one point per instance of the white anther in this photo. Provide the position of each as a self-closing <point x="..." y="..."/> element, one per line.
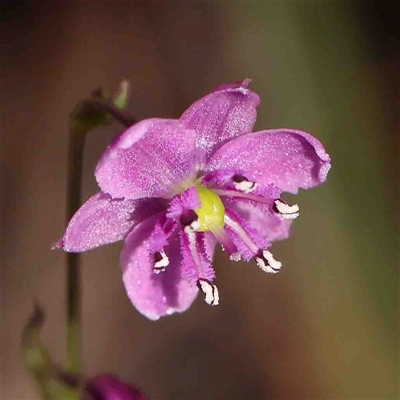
<point x="193" y="227"/>
<point x="287" y="211"/>
<point x="159" y="266"/>
<point x="210" y="291"/>
<point x="235" y="257"/>
<point x="245" y="186"/>
<point x="268" y="263"/>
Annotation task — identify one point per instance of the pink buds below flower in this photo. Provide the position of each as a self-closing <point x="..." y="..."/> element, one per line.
<point x="109" y="387"/>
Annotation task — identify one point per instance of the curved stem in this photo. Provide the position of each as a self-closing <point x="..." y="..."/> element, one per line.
<point x="109" y="108"/>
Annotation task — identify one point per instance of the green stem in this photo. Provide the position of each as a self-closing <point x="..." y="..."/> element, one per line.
<point x="74" y="182"/>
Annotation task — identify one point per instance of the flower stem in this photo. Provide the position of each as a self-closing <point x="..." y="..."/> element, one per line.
<point x="77" y="135"/>
<point x="74" y="180"/>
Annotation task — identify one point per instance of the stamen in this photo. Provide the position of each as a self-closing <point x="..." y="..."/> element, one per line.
<point x="242" y="184"/>
<point x="242" y="234"/>
<point x="232" y="193"/>
<point x="210" y="291"/>
<point x="285" y="210"/>
<point x="235" y="257"/>
<point x="198" y="258"/>
<point x="161" y="261"/>
<point x="225" y="242"/>
<point x="266" y="261"/>
<point x="190" y="221"/>
<point x="195" y="254"/>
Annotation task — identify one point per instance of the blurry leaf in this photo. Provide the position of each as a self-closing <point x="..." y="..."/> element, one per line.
<point x="47" y="375"/>
<point x="121" y="97"/>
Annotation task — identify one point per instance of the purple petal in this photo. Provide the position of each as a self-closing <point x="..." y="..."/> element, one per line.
<point x="154" y="295"/>
<point x="109" y="387"/>
<point x="188" y="200"/>
<point x="150" y="159"/>
<point x="227" y="112"/>
<point x="102" y="220"/>
<point x="289" y="159"/>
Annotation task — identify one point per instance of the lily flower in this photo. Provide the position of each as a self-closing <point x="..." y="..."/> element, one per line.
<point x="174" y="188"/>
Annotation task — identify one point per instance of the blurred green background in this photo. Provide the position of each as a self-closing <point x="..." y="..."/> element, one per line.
<point x="327" y="326"/>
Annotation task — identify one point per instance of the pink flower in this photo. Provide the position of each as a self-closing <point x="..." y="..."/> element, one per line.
<point x="174" y="188"/>
<point x="109" y="387"/>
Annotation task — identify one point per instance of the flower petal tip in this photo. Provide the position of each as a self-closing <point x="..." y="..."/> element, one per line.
<point x="325" y="168"/>
<point x="58" y="245"/>
<point x="246" y="83"/>
<point x="240" y="86"/>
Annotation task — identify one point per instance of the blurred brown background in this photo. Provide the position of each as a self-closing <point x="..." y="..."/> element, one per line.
<point x="327" y="326"/>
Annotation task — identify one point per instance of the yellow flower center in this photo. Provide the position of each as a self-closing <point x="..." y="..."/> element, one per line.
<point x="212" y="212"/>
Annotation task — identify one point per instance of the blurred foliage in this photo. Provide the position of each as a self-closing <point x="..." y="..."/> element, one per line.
<point x="325" y="82"/>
